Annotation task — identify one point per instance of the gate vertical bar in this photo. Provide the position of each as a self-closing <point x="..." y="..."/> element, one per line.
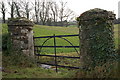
<point x="38" y="52"/>
<point x="34" y="48"/>
<point x="55" y="52"/>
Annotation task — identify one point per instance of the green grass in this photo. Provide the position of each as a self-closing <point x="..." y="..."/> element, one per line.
<point x="40" y="30"/>
<point x="37" y="72"/>
<point x="117" y="39"/>
<point x="4" y="28"/>
<point x="13" y="71"/>
<point x="62" y="61"/>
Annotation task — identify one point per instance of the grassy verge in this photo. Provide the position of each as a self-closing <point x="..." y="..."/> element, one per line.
<point x="19" y="66"/>
<point x="62" y="61"/>
<point x="16" y="72"/>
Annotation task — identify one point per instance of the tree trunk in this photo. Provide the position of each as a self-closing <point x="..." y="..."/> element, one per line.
<point x="27" y="15"/>
<point x="12" y="10"/>
<point x="3" y="17"/>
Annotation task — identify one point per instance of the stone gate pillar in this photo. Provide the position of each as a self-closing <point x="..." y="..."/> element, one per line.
<point x="21" y="33"/>
<point x="96" y="37"/>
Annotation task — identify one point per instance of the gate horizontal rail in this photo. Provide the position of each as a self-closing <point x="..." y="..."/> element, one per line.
<point x="58" y="56"/>
<point x="60" y="65"/>
<point x="54" y="46"/>
<point x="57" y="36"/>
<point x="59" y="46"/>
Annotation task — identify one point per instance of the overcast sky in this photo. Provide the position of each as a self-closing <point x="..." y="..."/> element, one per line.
<point x="80" y="6"/>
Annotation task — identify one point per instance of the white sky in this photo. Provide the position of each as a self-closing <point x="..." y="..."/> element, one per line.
<point x="80" y="6"/>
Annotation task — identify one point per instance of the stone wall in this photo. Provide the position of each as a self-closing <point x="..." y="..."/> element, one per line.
<point x="21" y="33"/>
<point x="96" y="37"/>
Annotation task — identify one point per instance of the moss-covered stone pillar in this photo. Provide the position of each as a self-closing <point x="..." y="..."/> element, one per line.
<point x="21" y="33"/>
<point x="96" y="37"/>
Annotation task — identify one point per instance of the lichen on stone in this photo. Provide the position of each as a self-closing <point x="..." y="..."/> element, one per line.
<point x="96" y="37"/>
<point x="22" y="36"/>
<point x="20" y="21"/>
<point x="96" y="14"/>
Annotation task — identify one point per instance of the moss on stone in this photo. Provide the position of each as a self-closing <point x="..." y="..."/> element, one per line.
<point x="96" y="37"/>
<point x="96" y="14"/>
<point x="20" y="21"/>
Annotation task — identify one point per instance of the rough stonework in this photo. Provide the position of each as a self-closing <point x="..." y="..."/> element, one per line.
<point x="21" y="33"/>
<point x="96" y="37"/>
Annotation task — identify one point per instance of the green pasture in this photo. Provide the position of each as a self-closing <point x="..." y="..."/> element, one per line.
<point x="37" y="72"/>
<point x="40" y="30"/>
<point x="12" y="71"/>
<point x="117" y="39"/>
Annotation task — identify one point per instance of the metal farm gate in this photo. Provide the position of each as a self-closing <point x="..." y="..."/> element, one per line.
<point x="38" y="49"/>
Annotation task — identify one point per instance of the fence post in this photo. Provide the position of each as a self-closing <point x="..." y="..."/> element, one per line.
<point x="55" y="52"/>
<point x="21" y="33"/>
<point x="96" y="37"/>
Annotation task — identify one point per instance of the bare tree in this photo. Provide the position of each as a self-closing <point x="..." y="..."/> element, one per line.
<point x="69" y="14"/>
<point x="12" y="7"/>
<point x="61" y="13"/>
<point x="37" y="9"/>
<point x="54" y="9"/>
<point x="17" y="6"/>
<point x="3" y="10"/>
<point x="26" y="8"/>
<point x="65" y="13"/>
<point x="44" y="12"/>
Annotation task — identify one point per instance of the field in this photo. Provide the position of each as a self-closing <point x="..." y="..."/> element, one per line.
<point x="117" y="38"/>
<point x="12" y="71"/>
<point x="37" y="72"/>
<point x="40" y="30"/>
